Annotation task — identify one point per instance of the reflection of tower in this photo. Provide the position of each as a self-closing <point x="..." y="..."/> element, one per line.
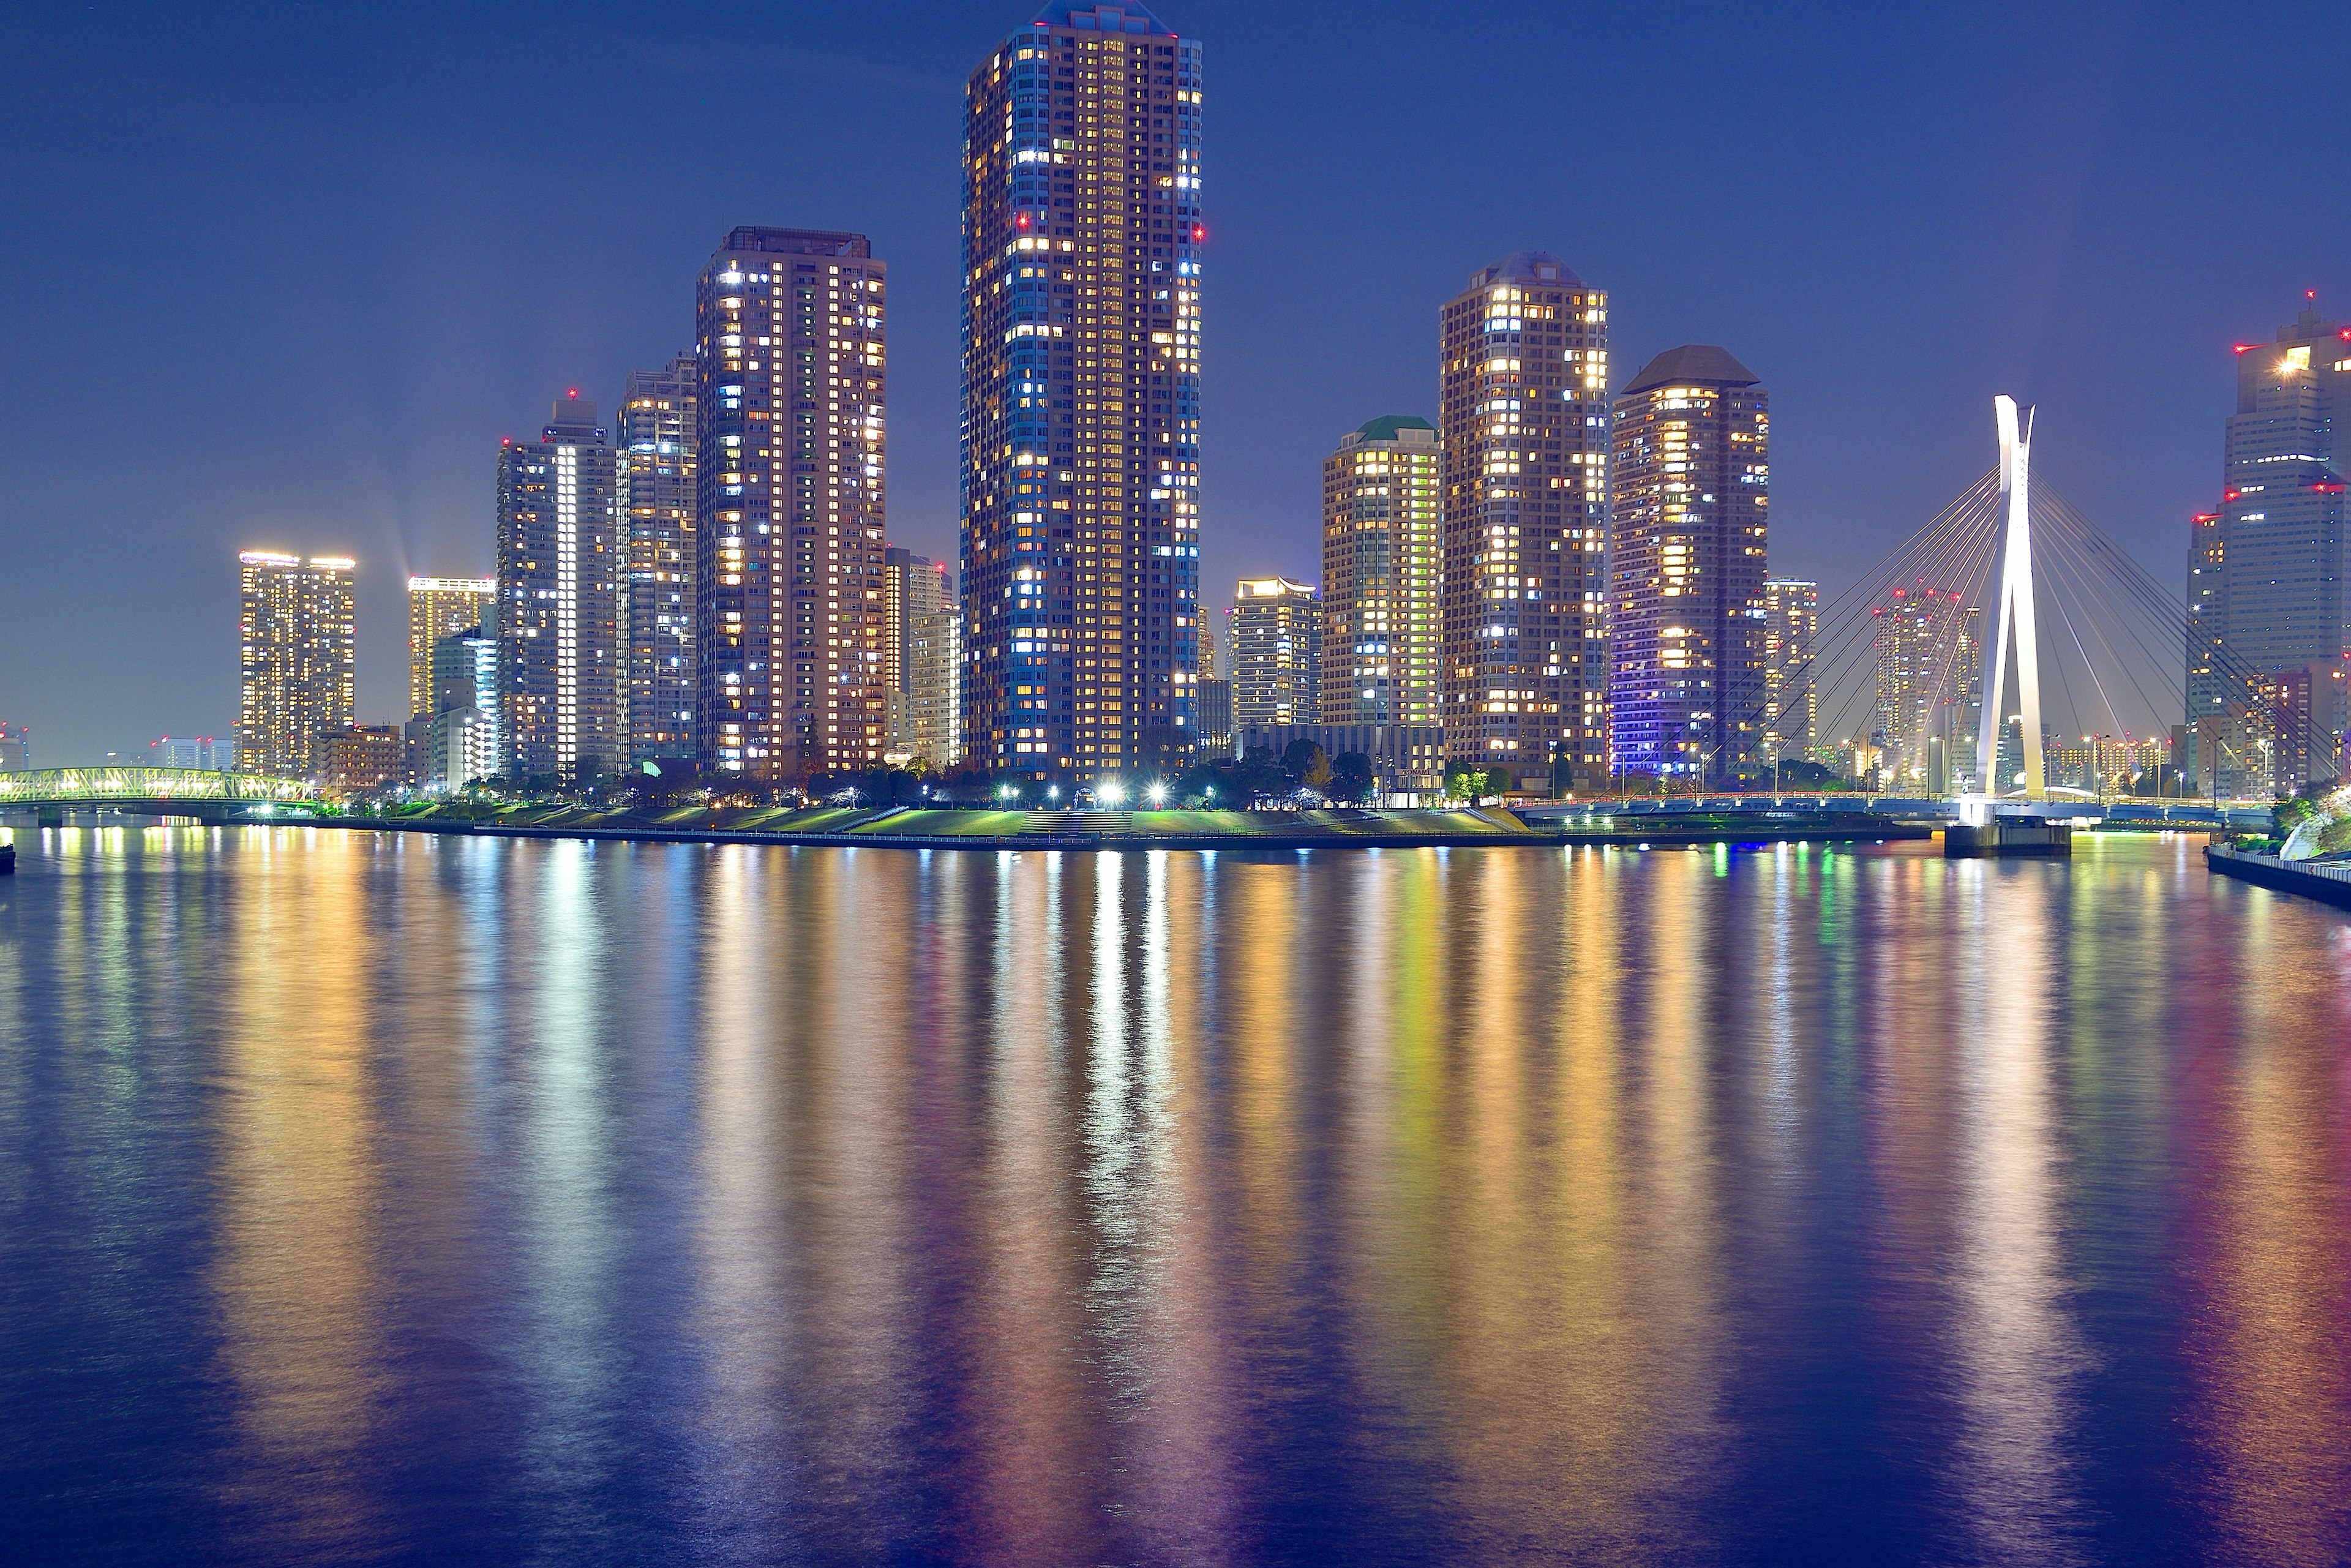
<point x="2012" y="608"/>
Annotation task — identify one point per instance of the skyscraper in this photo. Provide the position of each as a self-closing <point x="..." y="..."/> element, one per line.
<point x="1524" y="425"/>
<point x="1382" y="558"/>
<point x="1792" y="621"/>
<point x="1692" y="485"/>
<point x="655" y="469"/>
<point x="1930" y="679"/>
<point x="464" y="738"/>
<point x="2267" y="583"/>
<point x="1081" y="369"/>
<point x="1277" y="652"/>
<point x="436" y="607"/>
<point x="918" y="640"/>
<point x="788" y="575"/>
<point x="558" y="600"/>
<point x="297" y="629"/>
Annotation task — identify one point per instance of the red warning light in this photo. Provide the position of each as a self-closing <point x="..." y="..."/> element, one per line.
<point x="2246" y="348"/>
<point x="573" y="392"/>
<point x="1199" y="231"/>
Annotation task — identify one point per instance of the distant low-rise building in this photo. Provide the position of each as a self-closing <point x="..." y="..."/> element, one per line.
<point x="201" y="752"/>
<point x="1408" y="760"/>
<point x="363" y="758"/>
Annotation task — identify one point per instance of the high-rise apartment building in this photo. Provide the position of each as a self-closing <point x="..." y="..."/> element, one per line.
<point x="2267" y="588"/>
<point x="788" y="544"/>
<point x="1929" y="681"/>
<point x="1792" y="708"/>
<point x="1382" y="555"/>
<point x="1524" y="428"/>
<point x="1082" y="421"/>
<point x="297" y="629"/>
<point x="438" y="606"/>
<point x="558" y="600"/>
<point x="919" y="656"/>
<point x="464" y="738"/>
<point x="15" y="748"/>
<point x="654" y="468"/>
<point x="1277" y="652"/>
<point x="1692" y="486"/>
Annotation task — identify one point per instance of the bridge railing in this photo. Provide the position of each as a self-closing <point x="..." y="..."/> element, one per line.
<point x="44" y="785"/>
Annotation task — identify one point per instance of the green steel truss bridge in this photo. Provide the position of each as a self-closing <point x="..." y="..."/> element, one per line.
<point x="151" y="792"/>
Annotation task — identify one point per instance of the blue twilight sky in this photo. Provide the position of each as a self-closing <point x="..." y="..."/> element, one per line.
<point x="282" y="276"/>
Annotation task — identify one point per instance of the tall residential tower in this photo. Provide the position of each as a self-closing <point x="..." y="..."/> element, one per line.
<point x="655" y="478"/>
<point x="1081" y="239"/>
<point x="1277" y="652"/>
<point x="789" y="542"/>
<point x="2267" y="571"/>
<point x="296" y="631"/>
<point x="1692" y="486"/>
<point x="558" y="600"/>
<point x="1525" y="430"/>
<point x="1792" y="703"/>
<point x="1381" y="557"/>
<point x="438" y="606"/>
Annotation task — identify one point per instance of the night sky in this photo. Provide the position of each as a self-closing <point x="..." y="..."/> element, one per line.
<point x="284" y="277"/>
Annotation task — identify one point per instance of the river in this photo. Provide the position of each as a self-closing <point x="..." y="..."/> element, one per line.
<point x="393" y="1198"/>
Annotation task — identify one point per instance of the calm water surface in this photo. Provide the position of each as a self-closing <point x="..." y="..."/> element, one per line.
<point x="401" y="1199"/>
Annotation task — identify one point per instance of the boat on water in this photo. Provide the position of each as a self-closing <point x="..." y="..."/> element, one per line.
<point x="7" y="860"/>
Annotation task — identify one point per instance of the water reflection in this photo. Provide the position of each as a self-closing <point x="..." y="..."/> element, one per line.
<point x="614" y="1203"/>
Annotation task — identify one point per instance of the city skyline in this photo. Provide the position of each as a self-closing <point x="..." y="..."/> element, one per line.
<point x="386" y="469"/>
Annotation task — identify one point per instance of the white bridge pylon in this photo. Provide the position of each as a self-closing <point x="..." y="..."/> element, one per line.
<point x="2011" y="613"/>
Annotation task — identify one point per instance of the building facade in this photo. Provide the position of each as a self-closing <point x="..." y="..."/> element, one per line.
<point x="1383" y="558"/>
<point x="1277" y="653"/>
<point x="363" y="758"/>
<point x="2267" y="570"/>
<point x="436" y="607"/>
<point x="1692" y="491"/>
<point x="1524" y="428"/>
<point x="1081" y="527"/>
<point x="297" y="632"/>
<point x="558" y="600"/>
<point x="201" y="752"/>
<point x="791" y="486"/>
<point x="654" y="468"/>
<point x="919" y="655"/>
<point x="1929" y="674"/>
<point x="15" y="748"/>
<point x="1792" y="708"/>
<point x="464" y="738"/>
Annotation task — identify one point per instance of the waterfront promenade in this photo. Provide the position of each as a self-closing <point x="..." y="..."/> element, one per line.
<point x="921" y="829"/>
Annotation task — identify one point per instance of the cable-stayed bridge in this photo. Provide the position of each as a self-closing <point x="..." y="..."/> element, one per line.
<point x="2013" y="594"/>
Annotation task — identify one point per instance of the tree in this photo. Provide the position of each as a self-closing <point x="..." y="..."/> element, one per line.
<point x="1351" y="779"/>
<point x="1468" y="782"/>
<point x="1302" y="759"/>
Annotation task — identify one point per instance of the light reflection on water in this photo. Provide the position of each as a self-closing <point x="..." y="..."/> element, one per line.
<point x="400" y="1198"/>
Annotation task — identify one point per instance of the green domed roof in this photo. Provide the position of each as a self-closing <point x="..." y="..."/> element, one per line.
<point x="1384" y="428"/>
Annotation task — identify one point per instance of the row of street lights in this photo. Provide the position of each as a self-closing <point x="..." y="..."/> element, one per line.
<point x="1110" y="792"/>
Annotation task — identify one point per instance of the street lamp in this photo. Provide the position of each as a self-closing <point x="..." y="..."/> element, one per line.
<point x="1159" y="794"/>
